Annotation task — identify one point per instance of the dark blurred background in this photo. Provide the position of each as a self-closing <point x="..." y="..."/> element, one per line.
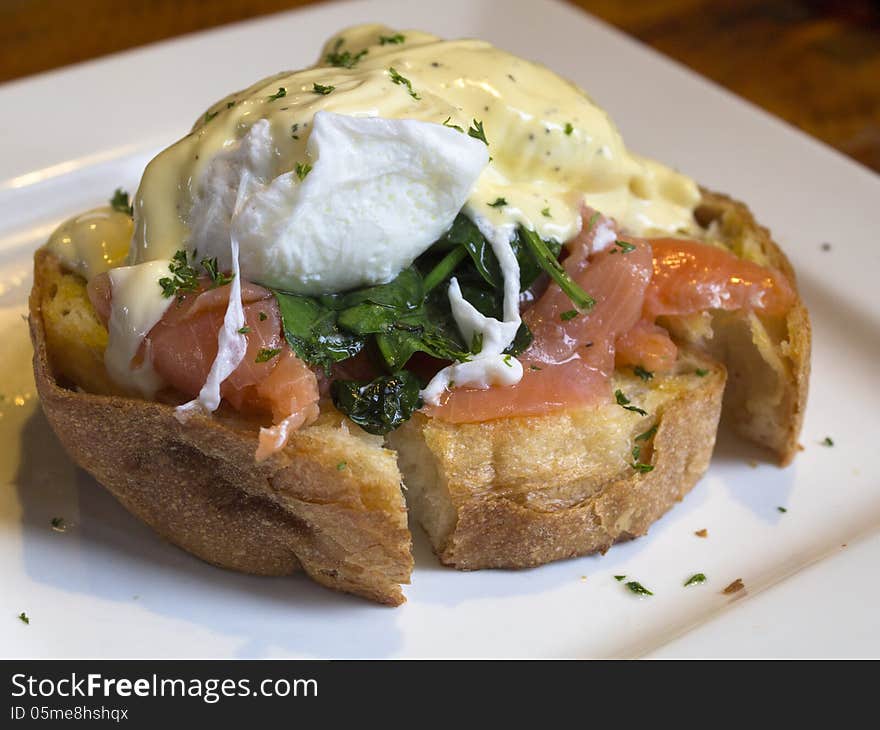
<point x="815" y="63"/>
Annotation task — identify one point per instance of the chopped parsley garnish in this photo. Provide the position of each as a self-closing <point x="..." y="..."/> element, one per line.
<point x="592" y="221"/>
<point x="58" y="524"/>
<point x="827" y="441"/>
<point x="645" y="375"/>
<point x="638" y="465"/>
<point x="184" y="277"/>
<point x="638" y="588"/>
<point x="452" y="126"/>
<point x="321" y="89"/>
<point x="267" y="353"/>
<point x="294" y="128"/>
<point x="303" y="169"/>
<point x="396" y="78"/>
<point x="619" y="578"/>
<point x="244" y="330"/>
<point x="782" y="509"/>
<point x="121" y="202"/>
<point x="477" y="343"/>
<point x="568" y="128"/>
<point x="230" y="104"/>
<point x="695" y="580"/>
<point x="499" y="203"/>
<point x="477" y="132"/>
<point x="546" y="212"/>
<point x="395" y="39"/>
<point x="209" y="116"/>
<point x="570" y="314"/>
<point x="263" y="316"/>
<point x="624" y="403"/>
<point x="623" y="247"/>
<point x="217" y="278"/>
<point x="344" y="59"/>
<point x="534" y="367"/>
<point x="506" y="360"/>
<point x="647" y="434"/>
<point x="282" y="92"/>
<point x="701" y="373"/>
<point x="341" y="465"/>
<point x="23" y="617"/>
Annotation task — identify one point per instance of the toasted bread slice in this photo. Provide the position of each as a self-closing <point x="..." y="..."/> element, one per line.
<point x="519" y="492"/>
<point x="513" y="492"/>
<point x="330" y="504"/>
<point x="767" y="358"/>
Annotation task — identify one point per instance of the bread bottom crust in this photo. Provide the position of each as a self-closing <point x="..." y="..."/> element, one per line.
<point x="197" y="484"/>
<point x="490" y="523"/>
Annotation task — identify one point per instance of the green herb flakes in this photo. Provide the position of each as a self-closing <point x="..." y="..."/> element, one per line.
<point x="282" y="92"/>
<point x="184" y="278"/>
<point x="267" y="353"/>
<point x="120" y="202"/>
<point x="623" y="247"/>
<point x="395" y="39"/>
<point x="624" y="403"/>
<point x="343" y="59"/>
<point x="645" y="375"/>
<point x="477" y="132"/>
<point x="322" y="90"/>
<point x="695" y="580"/>
<point x="396" y="78"/>
<point x="638" y="588"/>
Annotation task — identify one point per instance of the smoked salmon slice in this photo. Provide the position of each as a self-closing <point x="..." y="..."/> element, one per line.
<point x="572" y="354"/>
<point x="691" y="277"/>
<point x="270" y="380"/>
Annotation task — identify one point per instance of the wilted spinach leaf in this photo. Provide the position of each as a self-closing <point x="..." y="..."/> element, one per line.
<point x="311" y="330"/>
<point x="380" y="405"/>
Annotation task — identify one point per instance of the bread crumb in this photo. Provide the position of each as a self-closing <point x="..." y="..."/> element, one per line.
<point x="702" y="533"/>
<point x="800" y="446"/>
<point x="583" y="579"/>
<point x="752" y="463"/>
<point x="737" y="585"/>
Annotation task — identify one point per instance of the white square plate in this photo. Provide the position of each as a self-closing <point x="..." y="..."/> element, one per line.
<point x="109" y="587"/>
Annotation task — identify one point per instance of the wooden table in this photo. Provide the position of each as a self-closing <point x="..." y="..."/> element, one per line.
<point x="815" y="63"/>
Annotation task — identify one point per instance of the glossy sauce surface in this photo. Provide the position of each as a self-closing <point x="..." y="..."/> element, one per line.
<point x="552" y="148"/>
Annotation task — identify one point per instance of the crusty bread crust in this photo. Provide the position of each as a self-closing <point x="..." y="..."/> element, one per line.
<point x="772" y="423"/>
<point x="330" y="504"/>
<point x="521" y="492"/>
